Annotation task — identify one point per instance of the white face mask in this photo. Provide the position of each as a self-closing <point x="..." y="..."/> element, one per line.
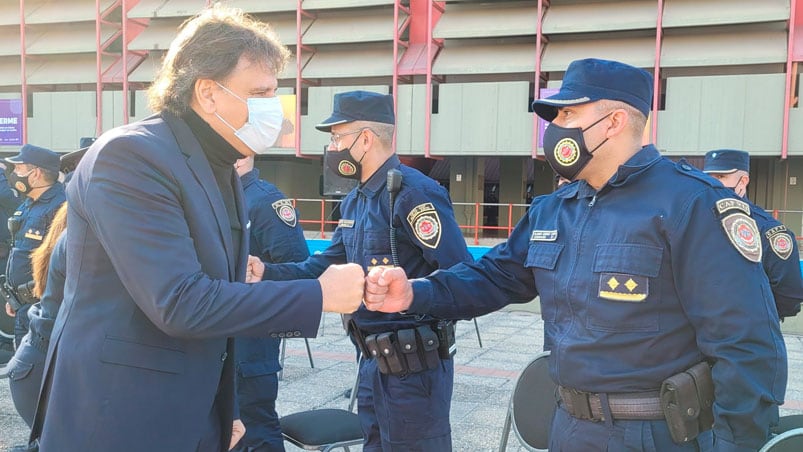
<point x="264" y="122"/>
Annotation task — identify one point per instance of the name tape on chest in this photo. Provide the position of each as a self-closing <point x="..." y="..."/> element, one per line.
<point x="285" y="211"/>
<point x="426" y="224"/>
<point x="780" y="241"/>
<point x="344" y="223"/>
<point x="544" y="236"/>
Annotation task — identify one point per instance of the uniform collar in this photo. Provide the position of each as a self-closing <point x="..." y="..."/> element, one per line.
<point x="51" y="192"/>
<point x="379" y="179"/>
<point x="249" y="177"/>
<point x="643" y="159"/>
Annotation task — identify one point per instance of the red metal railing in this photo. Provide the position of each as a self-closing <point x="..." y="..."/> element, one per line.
<point x="474" y="229"/>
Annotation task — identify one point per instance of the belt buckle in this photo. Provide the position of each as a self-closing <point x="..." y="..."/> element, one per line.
<point x="581" y="406"/>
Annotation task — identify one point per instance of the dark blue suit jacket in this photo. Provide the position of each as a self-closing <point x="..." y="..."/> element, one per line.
<point x="139" y="358"/>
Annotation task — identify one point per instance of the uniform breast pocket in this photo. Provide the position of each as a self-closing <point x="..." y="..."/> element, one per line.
<point x="376" y="248"/>
<point x="542" y="258"/>
<point x="627" y="288"/>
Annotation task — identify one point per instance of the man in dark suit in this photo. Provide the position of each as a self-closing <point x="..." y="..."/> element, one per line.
<point x="157" y="257"/>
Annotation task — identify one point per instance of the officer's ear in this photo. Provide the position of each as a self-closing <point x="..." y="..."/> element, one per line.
<point x="203" y="94"/>
<point x="619" y="120"/>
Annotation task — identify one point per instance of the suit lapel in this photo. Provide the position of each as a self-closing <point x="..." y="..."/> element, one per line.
<point x="242" y="213"/>
<point x="199" y="166"/>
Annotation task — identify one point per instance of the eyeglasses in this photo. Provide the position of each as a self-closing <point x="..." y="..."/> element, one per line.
<point x="335" y="138"/>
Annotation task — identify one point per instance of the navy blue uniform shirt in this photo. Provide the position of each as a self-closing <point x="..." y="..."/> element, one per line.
<point x="639" y="281"/>
<point x="428" y="237"/>
<point x="34" y="217"/>
<point x="781" y="261"/>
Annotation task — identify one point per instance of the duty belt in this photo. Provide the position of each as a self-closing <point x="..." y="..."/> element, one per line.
<point x="624" y="406"/>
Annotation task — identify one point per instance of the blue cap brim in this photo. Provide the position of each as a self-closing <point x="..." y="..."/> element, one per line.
<point x="548" y="108"/>
<point x="326" y="126"/>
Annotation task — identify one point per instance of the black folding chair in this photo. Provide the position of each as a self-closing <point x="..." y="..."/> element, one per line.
<point x="788" y="441"/>
<point x="532" y="406"/>
<point x="326" y="428"/>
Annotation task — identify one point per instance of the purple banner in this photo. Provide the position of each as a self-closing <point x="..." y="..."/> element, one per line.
<point x="10" y="122"/>
<point x="545" y="92"/>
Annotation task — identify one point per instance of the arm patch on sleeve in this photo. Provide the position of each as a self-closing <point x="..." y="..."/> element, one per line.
<point x="426" y="224"/>
<point x="780" y="241"/>
<point x="285" y="211"/>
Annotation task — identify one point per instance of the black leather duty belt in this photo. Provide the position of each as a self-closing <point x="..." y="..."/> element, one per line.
<point x="624" y="406"/>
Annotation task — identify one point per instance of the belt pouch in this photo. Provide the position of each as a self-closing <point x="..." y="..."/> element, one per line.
<point x="704" y="384"/>
<point x="446" y="337"/>
<point x="388" y="349"/>
<point x="373" y="352"/>
<point x="681" y="407"/>
<point x="409" y="348"/>
<point x="358" y="338"/>
<point x="429" y="344"/>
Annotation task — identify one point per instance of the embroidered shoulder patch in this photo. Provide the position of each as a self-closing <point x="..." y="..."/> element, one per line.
<point x="426" y="224"/>
<point x="723" y="205"/>
<point x="743" y="234"/>
<point x="780" y="242"/>
<point x="286" y="212"/>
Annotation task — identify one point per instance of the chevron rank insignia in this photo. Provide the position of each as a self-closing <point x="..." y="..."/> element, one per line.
<point x="621" y="287"/>
<point x="379" y="260"/>
<point x="780" y="241"/>
<point x="286" y="212"/>
<point x="743" y="234"/>
<point x="426" y="224"/>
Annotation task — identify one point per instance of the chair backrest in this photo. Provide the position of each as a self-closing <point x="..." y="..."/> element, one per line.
<point x="789" y="422"/>
<point x="533" y="403"/>
<point x="788" y="441"/>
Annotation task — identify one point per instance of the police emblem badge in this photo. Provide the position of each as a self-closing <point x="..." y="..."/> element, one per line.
<point x="743" y="234"/>
<point x="426" y="224"/>
<point x="286" y="212"/>
<point x="780" y="241"/>
<point x="567" y="152"/>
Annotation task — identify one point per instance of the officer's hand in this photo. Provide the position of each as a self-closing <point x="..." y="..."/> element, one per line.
<point x="254" y="270"/>
<point x="237" y="432"/>
<point x="10" y="311"/>
<point x="388" y="290"/>
<point x="342" y="288"/>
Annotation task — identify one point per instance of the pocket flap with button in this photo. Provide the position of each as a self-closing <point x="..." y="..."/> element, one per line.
<point x="543" y="255"/>
<point x="629" y="259"/>
<point x="407" y="342"/>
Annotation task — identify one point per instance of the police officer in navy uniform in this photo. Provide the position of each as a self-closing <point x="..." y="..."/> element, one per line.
<point x="276" y="236"/>
<point x="650" y="281"/>
<point x="35" y="176"/>
<point x="405" y="391"/>
<point x="8" y="204"/>
<point x="780" y="257"/>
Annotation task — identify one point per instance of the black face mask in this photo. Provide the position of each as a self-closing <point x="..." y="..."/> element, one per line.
<point x="565" y="149"/>
<point x="343" y="164"/>
<point x="19" y="183"/>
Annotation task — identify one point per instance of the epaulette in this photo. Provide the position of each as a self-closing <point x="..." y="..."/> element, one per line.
<point x="686" y="168"/>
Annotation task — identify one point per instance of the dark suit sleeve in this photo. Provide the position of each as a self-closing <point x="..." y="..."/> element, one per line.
<point x="151" y="219"/>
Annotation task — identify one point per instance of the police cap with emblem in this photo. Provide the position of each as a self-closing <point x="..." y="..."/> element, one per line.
<point x="590" y="80"/>
<point x="36" y="156"/>
<point x="726" y="161"/>
<point x="359" y="106"/>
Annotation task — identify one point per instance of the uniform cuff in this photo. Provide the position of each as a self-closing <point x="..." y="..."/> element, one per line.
<point x="422" y="296"/>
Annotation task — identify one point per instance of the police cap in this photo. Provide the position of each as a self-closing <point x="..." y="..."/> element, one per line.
<point x="36" y="156"/>
<point x="359" y="106"/>
<point x="724" y="161"/>
<point x="590" y="80"/>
